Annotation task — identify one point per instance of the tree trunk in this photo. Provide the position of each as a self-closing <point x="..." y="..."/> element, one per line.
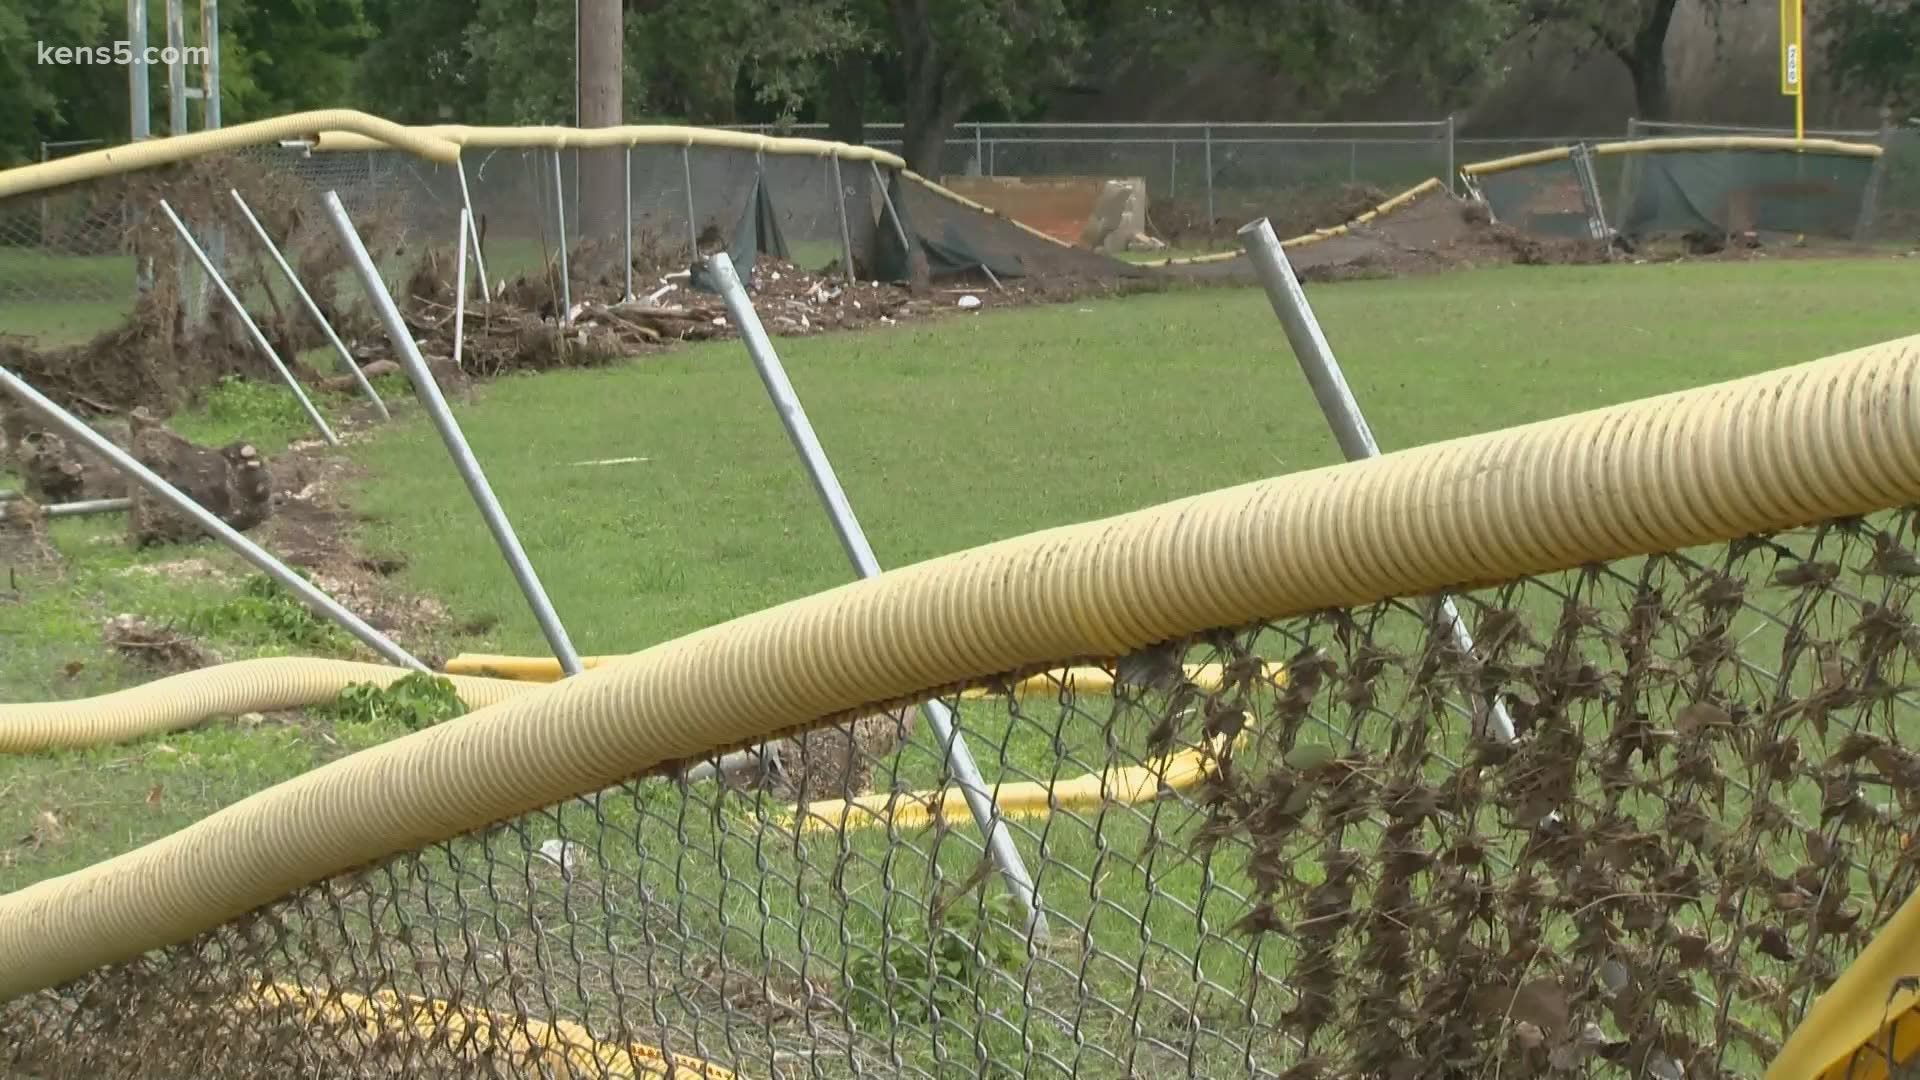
<point x="232" y="483"/>
<point x="603" y="184"/>
<point x="1650" y="89"/>
<point x="927" y="128"/>
<point x="934" y="102"/>
<point x="847" y="98"/>
<point x="1646" y="60"/>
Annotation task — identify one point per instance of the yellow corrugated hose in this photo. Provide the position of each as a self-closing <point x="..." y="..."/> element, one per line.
<point x="533" y="1046"/>
<point x="1834" y="438"/>
<point x="194" y="697"/>
<point x="1081" y="680"/>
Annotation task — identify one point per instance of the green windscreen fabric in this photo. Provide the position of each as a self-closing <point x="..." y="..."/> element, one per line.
<point x="756" y="233"/>
<point x="1541" y="199"/>
<point x="949" y="249"/>
<point x="1733" y="191"/>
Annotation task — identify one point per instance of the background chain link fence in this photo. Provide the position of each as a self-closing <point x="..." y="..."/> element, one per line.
<point x="1303" y="856"/>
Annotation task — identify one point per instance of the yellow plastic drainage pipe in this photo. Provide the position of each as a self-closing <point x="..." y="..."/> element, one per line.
<point x="1867" y="1011"/>
<point x="533" y="1046"/>
<point x="1127" y="785"/>
<point x="1834" y="438"/>
<point x="1083" y="679"/>
<point x="194" y="697"/>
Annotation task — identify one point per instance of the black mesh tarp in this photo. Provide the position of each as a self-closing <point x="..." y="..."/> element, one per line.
<point x="959" y="240"/>
<point x="1734" y="190"/>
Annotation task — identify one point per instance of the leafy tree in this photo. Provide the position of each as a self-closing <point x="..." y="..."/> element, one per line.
<point x="58" y="101"/>
<point x="1635" y="31"/>
<point x="279" y="56"/>
<point x="1874" y="46"/>
<point x="945" y="58"/>
<point x="418" y="69"/>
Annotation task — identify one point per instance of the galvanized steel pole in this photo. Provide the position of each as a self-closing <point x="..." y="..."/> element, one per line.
<point x="87" y="506"/>
<point x="840" y="207"/>
<point x="320" y="602"/>
<point x="999" y="840"/>
<point x="560" y="214"/>
<point x="139" y="108"/>
<point x="472" y="230"/>
<point x="1330" y="389"/>
<point x="306" y="298"/>
<point x="693" y="226"/>
<point x="626" y="219"/>
<point x="259" y="338"/>
<point x="899" y="227"/>
<point x="436" y="404"/>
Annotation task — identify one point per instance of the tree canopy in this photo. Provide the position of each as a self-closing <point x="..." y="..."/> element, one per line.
<point x="928" y="63"/>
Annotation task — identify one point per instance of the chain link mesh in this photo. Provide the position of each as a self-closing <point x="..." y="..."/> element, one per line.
<point x="1306" y="859"/>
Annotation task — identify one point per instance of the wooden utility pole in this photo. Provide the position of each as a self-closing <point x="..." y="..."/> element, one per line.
<point x="602" y="176"/>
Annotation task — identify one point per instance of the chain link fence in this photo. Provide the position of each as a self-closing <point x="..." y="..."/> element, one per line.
<point x="1279" y="850"/>
<point x="68" y="271"/>
<point x="1892" y="215"/>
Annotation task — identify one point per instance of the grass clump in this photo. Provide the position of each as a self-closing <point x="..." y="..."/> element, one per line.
<point x="414" y="701"/>
<point x="265" y="613"/>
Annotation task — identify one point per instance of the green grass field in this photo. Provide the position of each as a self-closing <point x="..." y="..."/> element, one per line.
<point x="946" y="435"/>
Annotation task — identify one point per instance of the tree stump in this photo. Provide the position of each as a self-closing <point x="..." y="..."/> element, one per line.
<point x="53" y="471"/>
<point x="23" y="539"/>
<point x="230" y="482"/>
<point x="838" y="762"/>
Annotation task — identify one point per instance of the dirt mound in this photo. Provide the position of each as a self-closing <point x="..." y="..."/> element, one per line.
<point x="1293" y="211"/>
<point x="1434" y="233"/>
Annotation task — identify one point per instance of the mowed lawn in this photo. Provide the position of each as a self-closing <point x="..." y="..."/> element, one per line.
<point x="966" y="430"/>
<point x="947" y="434"/>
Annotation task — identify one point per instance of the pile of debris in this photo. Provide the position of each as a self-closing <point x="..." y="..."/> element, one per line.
<point x="520" y="328"/>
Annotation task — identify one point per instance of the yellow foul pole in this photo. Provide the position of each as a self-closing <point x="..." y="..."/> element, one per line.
<point x="1793" y="63"/>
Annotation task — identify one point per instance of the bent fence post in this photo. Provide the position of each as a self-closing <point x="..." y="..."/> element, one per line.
<point x="1331" y="391"/>
<point x="253" y="328"/>
<point x="87" y="506"/>
<point x="560" y="216"/>
<point x="626" y="219"/>
<point x="346" y="356"/>
<point x="319" y="601"/>
<point x="693" y="224"/>
<point x="999" y="839"/>
<point x="840" y="210"/>
<point x="472" y="228"/>
<point x="450" y="433"/>
<point x="899" y="227"/>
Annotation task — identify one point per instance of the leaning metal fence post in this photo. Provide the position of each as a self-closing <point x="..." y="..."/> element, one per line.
<point x="320" y="602"/>
<point x="560" y="214"/>
<point x="626" y="220"/>
<point x="450" y="433"/>
<point x="1330" y="390"/>
<point x="259" y="338"/>
<point x="840" y="208"/>
<point x="1206" y="133"/>
<point x="693" y="226"/>
<point x="899" y="227"/>
<point x="1452" y="131"/>
<point x="346" y="357"/>
<point x="999" y="840"/>
<point x="473" y="229"/>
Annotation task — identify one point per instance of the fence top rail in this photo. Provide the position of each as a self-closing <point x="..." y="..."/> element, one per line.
<point x="150" y="153"/>
<point x="1083" y="125"/>
<point x="1637" y="125"/>
<point x="1664" y="146"/>
<point x="1833" y="438"/>
<point x="549" y="137"/>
